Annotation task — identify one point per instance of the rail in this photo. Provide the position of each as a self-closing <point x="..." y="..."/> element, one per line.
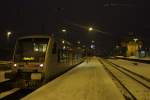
<point x="116" y="71"/>
<point x="134" y="59"/>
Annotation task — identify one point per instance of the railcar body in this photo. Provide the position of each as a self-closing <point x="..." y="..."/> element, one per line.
<point x="37" y="59"/>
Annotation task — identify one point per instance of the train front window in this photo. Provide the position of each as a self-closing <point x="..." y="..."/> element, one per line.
<point x="32" y="50"/>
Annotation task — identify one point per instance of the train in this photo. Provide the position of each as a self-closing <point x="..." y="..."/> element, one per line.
<point x="39" y="59"/>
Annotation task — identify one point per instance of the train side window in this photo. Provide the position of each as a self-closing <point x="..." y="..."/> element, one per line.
<point x="58" y="56"/>
<point x="61" y="56"/>
<point x="54" y="50"/>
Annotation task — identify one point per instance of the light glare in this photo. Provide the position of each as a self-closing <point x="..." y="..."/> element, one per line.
<point x="41" y="65"/>
<point x="90" y="29"/>
<point x="63" y="30"/>
<point x="8" y="34"/>
<point x="64" y="47"/>
<point x="15" y="65"/>
<point x="135" y="39"/>
<point x="63" y="41"/>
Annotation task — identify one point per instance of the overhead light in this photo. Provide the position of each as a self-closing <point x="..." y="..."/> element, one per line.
<point x="64" y="47"/>
<point x="15" y="65"/>
<point x="63" y="41"/>
<point x="90" y="29"/>
<point x="93" y="41"/>
<point x="36" y="49"/>
<point x="63" y="30"/>
<point x="41" y="65"/>
<point x="135" y="39"/>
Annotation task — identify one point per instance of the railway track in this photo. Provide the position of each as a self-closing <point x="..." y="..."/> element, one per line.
<point x="142" y="79"/>
<point x="15" y="94"/>
<point x="131" y="85"/>
<point x="9" y="93"/>
<point x="5" y="85"/>
<point x="135" y="60"/>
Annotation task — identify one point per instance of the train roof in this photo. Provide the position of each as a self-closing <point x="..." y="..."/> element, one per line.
<point x="34" y="36"/>
<point x="58" y="40"/>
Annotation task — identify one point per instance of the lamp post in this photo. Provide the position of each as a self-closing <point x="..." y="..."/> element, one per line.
<point x="65" y="33"/>
<point x="92" y="46"/>
<point x="8" y="38"/>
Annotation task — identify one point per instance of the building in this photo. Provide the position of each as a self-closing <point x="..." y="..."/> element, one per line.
<point x="130" y="46"/>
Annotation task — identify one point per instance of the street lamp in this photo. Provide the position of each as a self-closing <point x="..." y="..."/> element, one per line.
<point x="64" y="30"/>
<point x="8" y="34"/>
<point x="63" y="42"/>
<point x="90" y="29"/>
<point x="135" y="39"/>
<point x="9" y="46"/>
<point x="93" y="41"/>
<point x="78" y="42"/>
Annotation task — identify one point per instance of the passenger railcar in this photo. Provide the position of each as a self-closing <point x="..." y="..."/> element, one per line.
<point x="37" y="59"/>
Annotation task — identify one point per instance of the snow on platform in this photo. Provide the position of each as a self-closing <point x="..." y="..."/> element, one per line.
<point x="87" y="81"/>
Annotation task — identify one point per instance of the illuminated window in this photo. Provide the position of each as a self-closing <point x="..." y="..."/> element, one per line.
<point x="40" y="47"/>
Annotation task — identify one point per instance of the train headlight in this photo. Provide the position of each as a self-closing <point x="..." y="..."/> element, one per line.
<point x="41" y="65"/>
<point x="15" y="65"/>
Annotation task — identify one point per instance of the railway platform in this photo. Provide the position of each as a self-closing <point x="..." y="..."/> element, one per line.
<point x="87" y="81"/>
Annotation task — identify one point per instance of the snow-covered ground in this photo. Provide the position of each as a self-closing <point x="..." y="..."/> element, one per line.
<point x="144" y="58"/>
<point x="134" y="57"/>
<point x="138" y="90"/>
<point x="140" y="68"/>
<point x="87" y="81"/>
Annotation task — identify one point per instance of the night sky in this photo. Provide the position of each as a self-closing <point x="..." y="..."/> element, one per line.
<point x="112" y="19"/>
